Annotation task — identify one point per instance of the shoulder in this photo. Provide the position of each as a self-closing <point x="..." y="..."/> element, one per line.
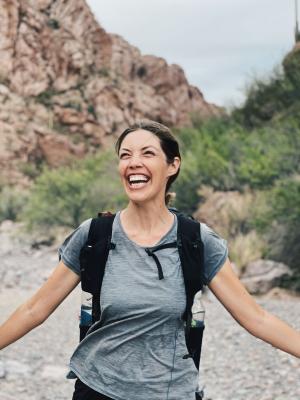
<point x="80" y="233"/>
<point x="69" y="250"/>
<point x="215" y="251"/>
<point x="209" y="235"/>
<point x="85" y="226"/>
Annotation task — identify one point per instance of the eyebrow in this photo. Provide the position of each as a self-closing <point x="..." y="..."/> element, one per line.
<point x="143" y="148"/>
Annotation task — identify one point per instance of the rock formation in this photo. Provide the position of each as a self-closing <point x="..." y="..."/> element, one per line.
<point x="66" y="86"/>
<point x="260" y="276"/>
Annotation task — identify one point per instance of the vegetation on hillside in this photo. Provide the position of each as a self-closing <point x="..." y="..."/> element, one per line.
<point x="256" y="149"/>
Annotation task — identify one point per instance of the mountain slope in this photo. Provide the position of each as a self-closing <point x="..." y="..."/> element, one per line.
<point x="66" y="86"/>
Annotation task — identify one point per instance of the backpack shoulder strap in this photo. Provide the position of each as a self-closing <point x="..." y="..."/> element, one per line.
<point x="93" y="258"/>
<point x="94" y="253"/>
<point x="191" y="252"/>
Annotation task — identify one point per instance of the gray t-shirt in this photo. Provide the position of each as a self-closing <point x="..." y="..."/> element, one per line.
<point x="136" y="351"/>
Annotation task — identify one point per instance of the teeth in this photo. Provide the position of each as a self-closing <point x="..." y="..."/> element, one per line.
<point x="138" y="178"/>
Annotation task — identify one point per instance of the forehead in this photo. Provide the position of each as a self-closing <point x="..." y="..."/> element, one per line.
<point x="139" y="139"/>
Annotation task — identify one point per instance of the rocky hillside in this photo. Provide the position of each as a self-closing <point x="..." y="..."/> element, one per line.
<point x="67" y="86"/>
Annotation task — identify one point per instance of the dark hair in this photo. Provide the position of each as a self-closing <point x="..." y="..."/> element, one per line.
<point x="168" y="144"/>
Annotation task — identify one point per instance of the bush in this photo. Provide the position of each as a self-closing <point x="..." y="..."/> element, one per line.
<point x="68" y="195"/>
<point x="270" y="96"/>
<point x="285" y="201"/>
<point x="279" y="220"/>
<point x="53" y="24"/>
<point x="203" y="164"/>
<point x="12" y="202"/>
<point x="45" y="97"/>
<point x="227" y="156"/>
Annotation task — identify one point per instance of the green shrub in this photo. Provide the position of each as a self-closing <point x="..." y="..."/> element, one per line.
<point x="285" y="201"/>
<point x="91" y="110"/>
<point x="45" y="97"/>
<point x="53" y="24"/>
<point x="30" y="169"/>
<point x="12" y="202"/>
<point x="104" y="72"/>
<point x="266" y="97"/>
<point x="278" y="218"/>
<point x="68" y="195"/>
<point x="74" y="105"/>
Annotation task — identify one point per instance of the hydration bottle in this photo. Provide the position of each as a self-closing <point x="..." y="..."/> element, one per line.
<point x="86" y="309"/>
<point x="197" y="322"/>
<point x="198" y="311"/>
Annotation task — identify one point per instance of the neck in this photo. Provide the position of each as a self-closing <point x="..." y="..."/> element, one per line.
<point x="147" y="218"/>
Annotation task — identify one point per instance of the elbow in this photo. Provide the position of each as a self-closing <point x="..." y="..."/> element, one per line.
<point x="35" y="315"/>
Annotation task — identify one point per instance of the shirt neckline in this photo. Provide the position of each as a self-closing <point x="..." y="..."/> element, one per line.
<point x="138" y="245"/>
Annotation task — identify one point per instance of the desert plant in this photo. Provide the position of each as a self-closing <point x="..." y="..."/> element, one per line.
<point x="68" y="195"/>
<point x="12" y="202"/>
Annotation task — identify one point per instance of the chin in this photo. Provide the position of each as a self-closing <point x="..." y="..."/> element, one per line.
<point x="138" y="198"/>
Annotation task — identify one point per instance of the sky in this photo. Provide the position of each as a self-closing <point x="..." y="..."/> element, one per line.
<point x="221" y="44"/>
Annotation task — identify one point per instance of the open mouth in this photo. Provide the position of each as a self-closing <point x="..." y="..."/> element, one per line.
<point x="137" y="181"/>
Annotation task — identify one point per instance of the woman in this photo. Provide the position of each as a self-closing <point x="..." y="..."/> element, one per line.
<point x="137" y="351"/>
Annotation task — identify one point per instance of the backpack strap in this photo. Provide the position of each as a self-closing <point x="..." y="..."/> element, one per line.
<point x="191" y="252"/>
<point x="93" y="257"/>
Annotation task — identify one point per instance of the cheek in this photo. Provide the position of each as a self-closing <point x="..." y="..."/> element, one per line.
<point x="121" y="169"/>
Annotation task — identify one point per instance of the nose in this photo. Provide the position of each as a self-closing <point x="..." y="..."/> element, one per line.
<point x="135" y="161"/>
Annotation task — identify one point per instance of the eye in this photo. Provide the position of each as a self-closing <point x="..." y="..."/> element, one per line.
<point x="149" y="152"/>
<point x="123" y="155"/>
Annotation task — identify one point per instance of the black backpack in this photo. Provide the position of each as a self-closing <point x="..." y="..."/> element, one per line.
<point x="93" y="258"/>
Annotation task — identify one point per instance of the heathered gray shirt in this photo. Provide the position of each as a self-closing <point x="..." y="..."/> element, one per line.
<point x="137" y="350"/>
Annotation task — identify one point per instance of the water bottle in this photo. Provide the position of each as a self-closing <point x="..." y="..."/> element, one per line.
<point x="198" y="311"/>
<point x="86" y="309"/>
<point x="197" y="322"/>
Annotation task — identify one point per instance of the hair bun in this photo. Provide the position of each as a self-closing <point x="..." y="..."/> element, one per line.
<point x="170" y="198"/>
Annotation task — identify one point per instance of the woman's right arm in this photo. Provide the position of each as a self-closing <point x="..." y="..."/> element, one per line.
<point x="37" y="309"/>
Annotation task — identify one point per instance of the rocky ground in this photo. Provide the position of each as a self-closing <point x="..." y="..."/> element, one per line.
<point x="235" y="365"/>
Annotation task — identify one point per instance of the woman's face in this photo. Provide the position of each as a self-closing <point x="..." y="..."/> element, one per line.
<point x="143" y="166"/>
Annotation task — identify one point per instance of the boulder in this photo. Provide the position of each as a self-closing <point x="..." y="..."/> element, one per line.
<point x="260" y="276"/>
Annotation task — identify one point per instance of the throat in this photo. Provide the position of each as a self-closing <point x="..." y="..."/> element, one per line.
<point x="146" y="230"/>
<point x="146" y="239"/>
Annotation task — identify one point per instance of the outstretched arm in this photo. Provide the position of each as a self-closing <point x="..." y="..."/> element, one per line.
<point x="256" y="320"/>
<point x="38" y="308"/>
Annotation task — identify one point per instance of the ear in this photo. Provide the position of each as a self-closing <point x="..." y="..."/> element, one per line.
<point x="174" y="166"/>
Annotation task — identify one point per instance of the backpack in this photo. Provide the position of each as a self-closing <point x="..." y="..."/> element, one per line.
<point x="93" y="258"/>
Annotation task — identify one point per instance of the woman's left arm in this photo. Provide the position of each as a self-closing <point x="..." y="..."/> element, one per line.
<point x="241" y="305"/>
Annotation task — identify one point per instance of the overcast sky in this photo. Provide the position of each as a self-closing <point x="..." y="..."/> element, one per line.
<point x="220" y="44"/>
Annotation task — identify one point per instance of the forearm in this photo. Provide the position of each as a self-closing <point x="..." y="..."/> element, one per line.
<point x="277" y="333"/>
<point x="38" y="308"/>
<point x="21" y="321"/>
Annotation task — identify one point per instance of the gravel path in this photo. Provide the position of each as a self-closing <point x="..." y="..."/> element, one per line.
<point x="235" y="365"/>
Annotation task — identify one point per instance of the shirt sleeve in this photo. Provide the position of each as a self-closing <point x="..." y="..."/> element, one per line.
<point x="215" y="252"/>
<point x="69" y="251"/>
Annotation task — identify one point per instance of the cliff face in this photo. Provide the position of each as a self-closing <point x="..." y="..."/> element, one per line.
<point x="66" y="85"/>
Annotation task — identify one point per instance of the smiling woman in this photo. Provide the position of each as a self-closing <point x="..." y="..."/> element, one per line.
<point x="148" y="149"/>
<point x="155" y="259"/>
